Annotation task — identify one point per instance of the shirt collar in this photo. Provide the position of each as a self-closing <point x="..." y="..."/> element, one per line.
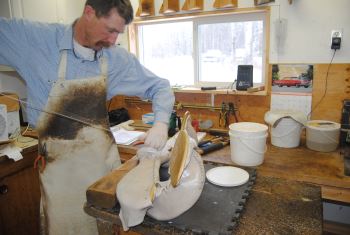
<point x="66" y="43"/>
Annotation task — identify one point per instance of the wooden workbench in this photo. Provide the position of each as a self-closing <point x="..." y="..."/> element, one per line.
<point x="275" y="206"/>
<point x="292" y="171"/>
<point x="299" y="164"/>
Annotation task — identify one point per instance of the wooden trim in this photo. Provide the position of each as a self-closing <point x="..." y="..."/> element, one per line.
<point x="133" y="39"/>
<point x="190" y="15"/>
<point x="331" y="227"/>
<point x="336" y="194"/>
<point x="261" y="2"/>
<point x="219" y="91"/>
<point x="268" y="67"/>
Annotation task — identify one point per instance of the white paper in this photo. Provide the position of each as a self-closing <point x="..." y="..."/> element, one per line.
<point x="11" y="152"/>
<point x="201" y="135"/>
<point x="292" y="101"/>
<point x="125" y="137"/>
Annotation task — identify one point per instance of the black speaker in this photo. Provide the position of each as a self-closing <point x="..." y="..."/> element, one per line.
<point x="244" y="77"/>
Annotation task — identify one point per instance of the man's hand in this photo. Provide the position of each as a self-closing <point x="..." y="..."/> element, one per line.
<point x="157" y="136"/>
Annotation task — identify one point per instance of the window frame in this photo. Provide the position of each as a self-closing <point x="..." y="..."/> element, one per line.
<point x="201" y="17"/>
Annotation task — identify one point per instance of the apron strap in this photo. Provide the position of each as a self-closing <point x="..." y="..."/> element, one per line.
<point x="62" y="66"/>
<point x="104" y="66"/>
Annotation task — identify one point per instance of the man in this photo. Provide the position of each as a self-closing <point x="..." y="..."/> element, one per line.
<point x="70" y="72"/>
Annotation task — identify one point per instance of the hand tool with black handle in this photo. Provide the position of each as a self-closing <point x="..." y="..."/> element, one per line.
<point x="211" y="147"/>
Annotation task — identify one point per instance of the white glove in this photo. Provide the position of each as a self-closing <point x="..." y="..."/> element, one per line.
<point x="157" y="136"/>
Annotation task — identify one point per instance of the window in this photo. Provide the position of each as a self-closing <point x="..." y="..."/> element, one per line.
<point x="204" y="50"/>
<point x="166" y="47"/>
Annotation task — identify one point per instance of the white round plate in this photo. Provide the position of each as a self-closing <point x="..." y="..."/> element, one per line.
<point x="227" y="176"/>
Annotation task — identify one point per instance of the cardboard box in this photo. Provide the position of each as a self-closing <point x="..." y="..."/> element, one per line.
<point x="11" y="101"/>
<point x="12" y="104"/>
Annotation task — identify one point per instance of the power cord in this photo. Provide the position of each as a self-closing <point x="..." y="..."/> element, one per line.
<point x="232" y="84"/>
<point x="325" y="90"/>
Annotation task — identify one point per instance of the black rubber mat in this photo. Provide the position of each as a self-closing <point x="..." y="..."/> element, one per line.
<point x="217" y="211"/>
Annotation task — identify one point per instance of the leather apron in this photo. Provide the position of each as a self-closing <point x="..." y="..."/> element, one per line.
<point x="74" y="139"/>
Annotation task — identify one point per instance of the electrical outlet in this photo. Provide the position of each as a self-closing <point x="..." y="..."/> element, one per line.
<point x="336" y="33"/>
<point x="336" y="36"/>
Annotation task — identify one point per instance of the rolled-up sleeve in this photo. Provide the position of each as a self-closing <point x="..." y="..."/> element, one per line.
<point x="12" y="40"/>
<point x="129" y="77"/>
<point x="31" y="48"/>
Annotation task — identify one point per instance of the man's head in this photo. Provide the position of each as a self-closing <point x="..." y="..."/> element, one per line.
<point x="102" y="21"/>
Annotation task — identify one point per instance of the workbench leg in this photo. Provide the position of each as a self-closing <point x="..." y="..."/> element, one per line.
<point x="107" y="228"/>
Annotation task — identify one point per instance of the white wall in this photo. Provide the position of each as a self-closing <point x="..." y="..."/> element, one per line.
<point x="12" y="82"/>
<point x="306" y="31"/>
<point x="62" y="11"/>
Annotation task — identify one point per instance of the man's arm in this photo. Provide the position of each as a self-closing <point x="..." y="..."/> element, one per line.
<point x="130" y="78"/>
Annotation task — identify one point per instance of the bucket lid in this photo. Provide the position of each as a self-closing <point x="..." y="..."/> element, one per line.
<point x="248" y="127"/>
<point x="227" y="176"/>
<point x="323" y="125"/>
<point x="272" y="117"/>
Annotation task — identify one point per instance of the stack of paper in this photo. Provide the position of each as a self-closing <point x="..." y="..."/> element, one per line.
<point x="125" y="137"/>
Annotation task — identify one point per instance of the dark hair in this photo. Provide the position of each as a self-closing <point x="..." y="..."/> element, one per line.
<point x="103" y="7"/>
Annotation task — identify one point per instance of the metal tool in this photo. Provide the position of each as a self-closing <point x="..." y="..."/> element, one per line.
<point x="232" y="110"/>
<point x="212" y="146"/>
<point x="223" y="116"/>
<point x="215" y="139"/>
<point x="42" y="155"/>
<point x="215" y="132"/>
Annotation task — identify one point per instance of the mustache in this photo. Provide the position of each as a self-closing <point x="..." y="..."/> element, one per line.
<point x="103" y="44"/>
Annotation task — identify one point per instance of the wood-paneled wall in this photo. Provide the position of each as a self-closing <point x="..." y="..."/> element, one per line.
<point x="253" y="108"/>
<point x="338" y="89"/>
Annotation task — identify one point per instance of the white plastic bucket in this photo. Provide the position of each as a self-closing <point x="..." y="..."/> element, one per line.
<point x="287" y="133"/>
<point x="248" y="143"/>
<point x="322" y="135"/>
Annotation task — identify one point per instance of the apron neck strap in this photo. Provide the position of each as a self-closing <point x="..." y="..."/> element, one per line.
<point x="104" y="66"/>
<point x="63" y="66"/>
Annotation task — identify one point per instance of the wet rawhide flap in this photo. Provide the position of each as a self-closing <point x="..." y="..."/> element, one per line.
<point x="179" y="153"/>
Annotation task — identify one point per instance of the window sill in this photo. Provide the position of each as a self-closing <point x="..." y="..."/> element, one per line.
<point x="193" y="90"/>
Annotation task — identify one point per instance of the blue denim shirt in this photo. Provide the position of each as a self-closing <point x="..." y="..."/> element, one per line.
<point x="33" y="49"/>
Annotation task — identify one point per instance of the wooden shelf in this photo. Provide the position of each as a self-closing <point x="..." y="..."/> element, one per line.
<point x="219" y="91"/>
<point x="169" y="7"/>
